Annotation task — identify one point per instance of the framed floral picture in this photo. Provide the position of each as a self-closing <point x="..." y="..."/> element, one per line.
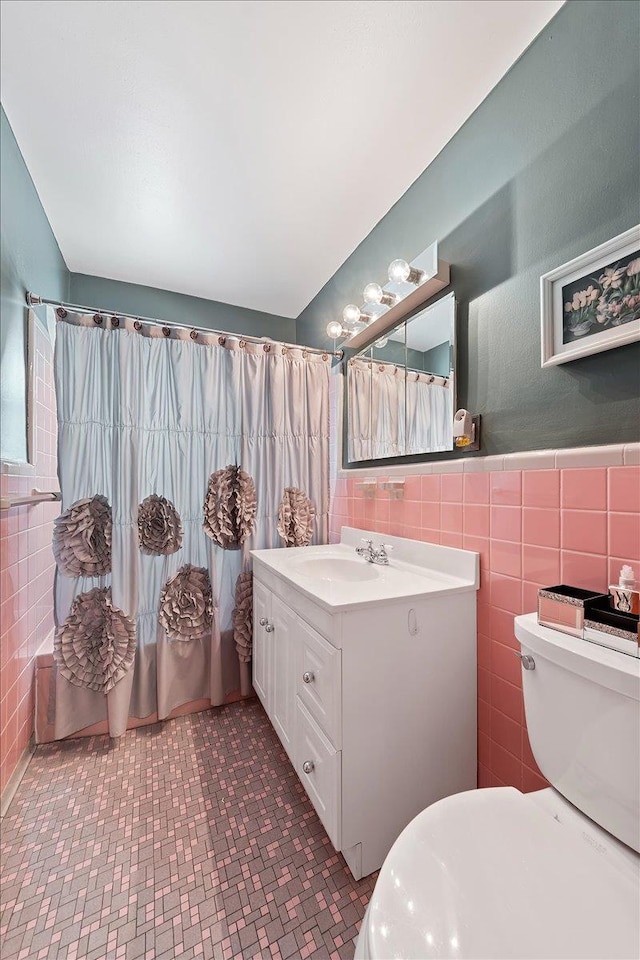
<point x="592" y="303"/>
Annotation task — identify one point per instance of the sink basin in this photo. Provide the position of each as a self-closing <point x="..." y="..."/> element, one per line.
<point x="337" y="568"/>
<point x="333" y="576"/>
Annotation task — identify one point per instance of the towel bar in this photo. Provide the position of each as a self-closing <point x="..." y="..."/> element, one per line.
<point x="36" y="496"/>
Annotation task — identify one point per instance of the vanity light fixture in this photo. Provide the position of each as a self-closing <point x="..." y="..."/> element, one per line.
<point x="373" y="293"/>
<point x="401" y="272"/>
<point x="353" y="320"/>
<point x="351" y="314"/>
<point x="335" y="330"/>
<point x="409" y="286"/>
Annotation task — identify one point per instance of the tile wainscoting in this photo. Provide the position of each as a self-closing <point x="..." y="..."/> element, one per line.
<point x="26" y="570"/>
<point x="570" y="516"/>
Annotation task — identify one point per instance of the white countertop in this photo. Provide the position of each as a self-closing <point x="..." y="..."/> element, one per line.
<point x="415" y="570"/>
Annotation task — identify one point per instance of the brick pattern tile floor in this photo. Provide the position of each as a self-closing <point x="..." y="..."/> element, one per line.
<point x="191" y="838"/>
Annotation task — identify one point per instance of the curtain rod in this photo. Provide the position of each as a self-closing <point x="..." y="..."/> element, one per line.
<point x="33" y="300"/>
<point x="393" y="363"/>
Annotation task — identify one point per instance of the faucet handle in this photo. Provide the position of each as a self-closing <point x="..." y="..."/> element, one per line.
<point x="381" y="552"/>
<point x="367" y="541"/>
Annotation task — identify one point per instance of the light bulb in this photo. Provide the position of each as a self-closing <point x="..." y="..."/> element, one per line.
<point x="351" y="314"/>
<point x="334" y="329"/>
<point x="373" y="293"/>
<point x="401" y="272"/>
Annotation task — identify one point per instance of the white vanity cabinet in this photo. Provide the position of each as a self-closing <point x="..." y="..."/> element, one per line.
<point x="372" y="693"/>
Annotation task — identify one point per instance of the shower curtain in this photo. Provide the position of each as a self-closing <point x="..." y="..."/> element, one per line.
<point x="148" y="412"/>
<point x="376" y="410"/>
<point x="429" y="413"/>
<point x="395" y="412"/>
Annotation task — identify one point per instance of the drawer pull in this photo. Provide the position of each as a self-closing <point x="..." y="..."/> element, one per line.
<point x="263" y="621"/>
<point x="308" y="677"/>
<point x="308" y="766"/>
<point x="269" y="627"/>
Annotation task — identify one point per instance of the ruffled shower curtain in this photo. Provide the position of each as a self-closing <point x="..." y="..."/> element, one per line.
<point x="284" y="410"/>
<point x="429" y="413"/>
<point x="146" y="411"/>
<point x="359" y="391"/>
<point x="394" y="412"/>
<point x="376" y="410"/>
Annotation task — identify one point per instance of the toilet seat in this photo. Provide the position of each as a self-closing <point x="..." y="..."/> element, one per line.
<point x="499" y="874"/>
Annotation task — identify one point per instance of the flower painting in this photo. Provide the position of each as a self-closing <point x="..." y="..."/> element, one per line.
<point x="607" y="298"/>
<point x="592" y="303"/>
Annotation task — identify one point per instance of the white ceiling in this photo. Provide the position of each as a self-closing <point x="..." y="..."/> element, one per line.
<point x="240" y="151"/>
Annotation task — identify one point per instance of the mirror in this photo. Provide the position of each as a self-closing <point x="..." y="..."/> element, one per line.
<point x="401" y="389"/>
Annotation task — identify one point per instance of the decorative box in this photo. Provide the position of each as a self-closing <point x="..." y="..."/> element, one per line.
<point x="612" y="628"/>
<point x="563" y="607"/>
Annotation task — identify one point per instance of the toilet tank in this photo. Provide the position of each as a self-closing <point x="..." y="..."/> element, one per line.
<point x="582" y="704"/>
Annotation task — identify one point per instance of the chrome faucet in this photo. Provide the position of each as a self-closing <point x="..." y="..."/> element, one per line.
<point x="381" y="554"/>
<point x="367" y="552"/>
<point x="371" y="555"/>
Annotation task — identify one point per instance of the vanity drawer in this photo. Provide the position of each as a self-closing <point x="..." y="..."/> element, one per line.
<point x="319" y="680"/>
<point x="319" y="767"/>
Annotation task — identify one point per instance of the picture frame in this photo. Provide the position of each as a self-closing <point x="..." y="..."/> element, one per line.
<point x="592" y="303"/>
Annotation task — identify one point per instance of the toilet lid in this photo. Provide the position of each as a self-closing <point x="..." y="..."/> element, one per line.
<point x="491" y="874"/>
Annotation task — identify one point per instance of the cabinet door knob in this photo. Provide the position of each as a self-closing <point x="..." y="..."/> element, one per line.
<point x="269" y="627"/>
<point x="308" y="676"/>
<point x="308" y="766"/>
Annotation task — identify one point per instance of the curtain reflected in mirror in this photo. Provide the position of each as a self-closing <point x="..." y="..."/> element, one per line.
<point x="401" y="389"/>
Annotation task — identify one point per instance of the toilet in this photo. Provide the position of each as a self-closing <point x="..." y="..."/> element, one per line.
<point x="496" y="873"/>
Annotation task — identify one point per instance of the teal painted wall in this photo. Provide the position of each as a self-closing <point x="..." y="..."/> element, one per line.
<point x="437" y="360"/>
<point x="138" y="300"/>
<point x="545" y="169"/>
<point x="30" y="260"/>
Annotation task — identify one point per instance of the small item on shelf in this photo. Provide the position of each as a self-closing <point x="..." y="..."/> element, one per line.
<point x="612" y="628"/>
<point x="625" y="596"/>
<point x="563" y="608"/>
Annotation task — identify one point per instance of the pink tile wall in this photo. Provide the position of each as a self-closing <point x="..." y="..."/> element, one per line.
<point x="26" y="572"/>
<point x="532" y="528"/>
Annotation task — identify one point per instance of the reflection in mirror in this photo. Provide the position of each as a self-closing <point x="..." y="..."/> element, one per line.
<point x="401" y="389"/>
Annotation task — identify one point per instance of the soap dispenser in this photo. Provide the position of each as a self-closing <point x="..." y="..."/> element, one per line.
<point x="625" y="596"/>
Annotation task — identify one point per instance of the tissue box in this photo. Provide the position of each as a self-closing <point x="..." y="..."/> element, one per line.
<point x="563" y="608"/>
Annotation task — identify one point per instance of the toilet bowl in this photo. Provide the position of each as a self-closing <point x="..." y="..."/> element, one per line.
<point x="496" y="873"/>
<point x="500" y="874"/>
